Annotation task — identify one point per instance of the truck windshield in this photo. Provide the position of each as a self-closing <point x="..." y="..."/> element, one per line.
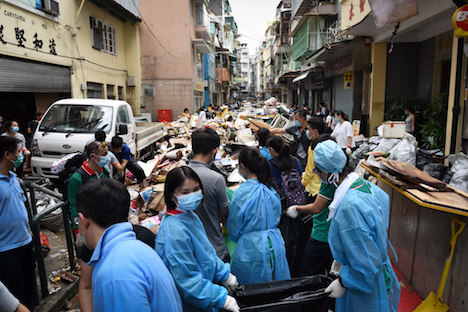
<point x="77" y="119"/>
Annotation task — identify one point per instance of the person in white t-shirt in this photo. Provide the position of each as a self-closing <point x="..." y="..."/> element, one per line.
<point x="343" y="132"/>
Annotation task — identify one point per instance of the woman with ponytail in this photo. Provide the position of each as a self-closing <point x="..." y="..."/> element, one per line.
<point x="282" y="160"/>
<point x="254" y="215"/>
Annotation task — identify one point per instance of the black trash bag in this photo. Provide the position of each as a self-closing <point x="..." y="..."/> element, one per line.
<point x="296" y="294"/>
<point x="290" y="233"/>
<point x="438" y="171"/>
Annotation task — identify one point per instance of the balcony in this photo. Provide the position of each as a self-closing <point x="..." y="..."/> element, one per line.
<point x="311" y="37"/>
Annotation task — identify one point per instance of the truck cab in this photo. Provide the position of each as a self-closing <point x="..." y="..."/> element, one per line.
<point x="69" y="124"/>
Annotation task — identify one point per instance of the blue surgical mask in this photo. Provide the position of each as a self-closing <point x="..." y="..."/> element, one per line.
<point x="308" y="135"/>
<point x="83" y="239"/>
<point x="19" y="160"/>
<point x="406" y="114"/>
<point x="103" y="160"/>
<point x="297" y="123"/>
<point x="15" y="129"/>
<point x="336" y="119"/>
<point x="190" y="202"/>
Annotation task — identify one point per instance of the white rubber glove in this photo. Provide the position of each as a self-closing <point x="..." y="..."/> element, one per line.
<point x="231" y="304"/>
<point x="26" y="152"/>
<point x="348" y="151"/>
<point x="335" y="289"/>
<point x="231" y="282"/>
<point x="292" y="212"/>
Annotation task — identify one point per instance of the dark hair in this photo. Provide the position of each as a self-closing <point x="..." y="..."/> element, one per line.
<point x="186" y="110"/>
<point x="100" y="135"/>
<point x="409" y="109"/>
<point x="322" y="104"/>
<point x="8" y="124"/>
<point x="8" y="143"/>
<point x="257" y="164"/>
<point x="105" y="201"/>
<point x="116" y="142"/>
<point x="175" y="178"/>
<point x="38" y="113"/>
<point x="263" y="134"/>
<point x="302" y="113"/>
<point x="342" y="114"/>
<point x="92" y="148"/>
<point x="317" y="123"/>
<point x="204" y="141"/>
<point x="284" y="158"/>
<point x="321" y="138"/>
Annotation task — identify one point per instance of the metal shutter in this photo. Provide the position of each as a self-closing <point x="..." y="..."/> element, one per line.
<point x="343" y="97"/>
<point x="25" y="76"/>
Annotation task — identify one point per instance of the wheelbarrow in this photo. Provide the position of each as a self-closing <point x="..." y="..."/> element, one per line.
<point x="433" y="302"/>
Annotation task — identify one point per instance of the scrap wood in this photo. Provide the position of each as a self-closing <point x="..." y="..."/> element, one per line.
<point x="412" y="174"/>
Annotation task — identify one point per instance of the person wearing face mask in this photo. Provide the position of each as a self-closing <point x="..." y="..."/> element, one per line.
<point x="12" y="130"/>
<point x="254" y="215"/>
<point x="343" y="133"/>
<point x="359" y="216"/>
<point x="205" y="144"/>
<point x="186" y="251"/>
<point x="128" y="275"/>
<point x="300" y="144"/>
<point x="92" y="169"/>
<point x="16" y="246"/>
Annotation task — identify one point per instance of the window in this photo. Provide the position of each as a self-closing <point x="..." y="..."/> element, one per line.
<point x="200" y="66"/>
<point x="122" y="116"/>
<point x="199" y="13"/>
<point x="102" y="35"/>
<point x="121" y="97"/>
<point x="108" y="39"/>
<point x="94" y="90"/>
<point x="110" y="92"/>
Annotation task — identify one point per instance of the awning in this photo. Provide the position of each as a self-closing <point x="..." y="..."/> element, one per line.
<point x="301" y="77"/>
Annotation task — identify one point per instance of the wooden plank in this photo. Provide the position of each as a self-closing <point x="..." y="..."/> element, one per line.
<point x="447" y="199"/>
<point x="411" y="173"/>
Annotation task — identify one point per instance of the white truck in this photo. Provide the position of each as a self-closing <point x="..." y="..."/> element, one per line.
<point x="69" y="124"/>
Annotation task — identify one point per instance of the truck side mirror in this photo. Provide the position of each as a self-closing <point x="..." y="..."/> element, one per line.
<point x="123" y="129"/>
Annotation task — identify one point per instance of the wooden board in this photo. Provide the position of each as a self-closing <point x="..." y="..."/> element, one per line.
<point x="446" y="199"/>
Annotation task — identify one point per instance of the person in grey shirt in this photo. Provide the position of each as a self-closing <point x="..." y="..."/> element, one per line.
<point x="8" y="302"/>
<point x="214" y="208"/>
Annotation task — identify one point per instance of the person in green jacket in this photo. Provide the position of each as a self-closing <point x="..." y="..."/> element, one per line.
<point x="92" y="169"/>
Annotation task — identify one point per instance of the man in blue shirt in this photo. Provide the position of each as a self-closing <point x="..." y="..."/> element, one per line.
<point x="128" y="274"/>
<point x="123" y="154"/>
<point x="16" y="247"/>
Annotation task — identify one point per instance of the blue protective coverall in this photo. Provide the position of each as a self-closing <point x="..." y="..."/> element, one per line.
<point x="358" y="240"/>
<point x="129" y="276"/>
<point x="254" y="215"/>
<point x="188" y="254"/>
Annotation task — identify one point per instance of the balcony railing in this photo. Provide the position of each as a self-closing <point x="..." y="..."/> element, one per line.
<point x="309" y="44"/>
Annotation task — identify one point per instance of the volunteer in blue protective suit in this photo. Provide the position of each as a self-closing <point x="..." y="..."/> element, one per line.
<point x="254" y="215"/>
<point x="358" y="239"/>
<point x="186" y="251"/>
<point x="128" y="275"/>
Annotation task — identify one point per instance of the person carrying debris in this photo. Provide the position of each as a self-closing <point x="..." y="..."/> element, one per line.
<point x="16" y="246"/>
<point x="123" y="154"/>
<point x="186" y="251"/>
<point x="300" y="144"/>
<point x="128" y="275"/>
<point x="205" y="144"/>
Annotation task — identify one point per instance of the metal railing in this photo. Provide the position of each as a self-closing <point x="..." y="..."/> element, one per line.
<point x="28" y="186"/>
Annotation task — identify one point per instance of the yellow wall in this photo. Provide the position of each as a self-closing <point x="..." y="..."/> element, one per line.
<point x="74" y="49"/>
<point x="377" y="86"/>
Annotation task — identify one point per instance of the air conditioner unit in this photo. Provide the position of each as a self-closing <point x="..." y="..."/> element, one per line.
<point x="51" y="7"/>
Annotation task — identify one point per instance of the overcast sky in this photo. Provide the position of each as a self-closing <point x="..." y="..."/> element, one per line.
<point x="252" y="17"/>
